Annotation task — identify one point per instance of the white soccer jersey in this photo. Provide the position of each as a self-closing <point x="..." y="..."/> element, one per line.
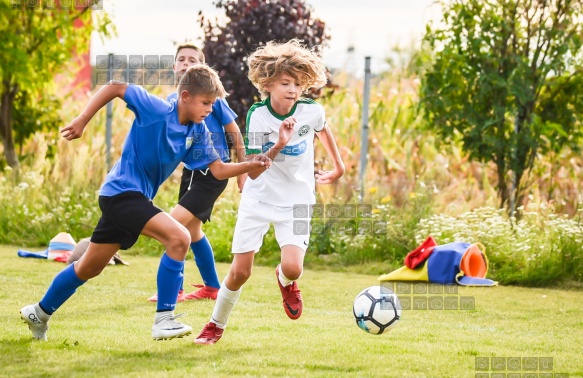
<point x="290" y="179"/>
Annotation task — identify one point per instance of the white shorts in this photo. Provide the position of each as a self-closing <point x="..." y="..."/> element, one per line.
<point x="254" y="219"/>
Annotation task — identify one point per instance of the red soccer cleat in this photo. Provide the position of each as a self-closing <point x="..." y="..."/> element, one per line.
<point x="210" y="334"/>
<point x="205" y="292"/>
<point x="181" y="297"/>
<point x="292" y="298"/>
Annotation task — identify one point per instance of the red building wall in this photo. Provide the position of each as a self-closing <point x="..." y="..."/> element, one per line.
<point x="81" y="63"/>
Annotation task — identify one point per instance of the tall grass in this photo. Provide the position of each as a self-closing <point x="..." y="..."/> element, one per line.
<point x="411" y="181"/>
<point x="51" y="194"/>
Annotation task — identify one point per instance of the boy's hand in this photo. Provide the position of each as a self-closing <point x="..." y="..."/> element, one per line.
<point x="75" y="128"/>
<point x="286" y="130"/>
<point x="260" y="161"/>
<point x="328" y="177"/>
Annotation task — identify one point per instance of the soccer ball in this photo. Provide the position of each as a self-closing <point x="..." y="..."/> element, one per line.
<point x="376" y="309"/>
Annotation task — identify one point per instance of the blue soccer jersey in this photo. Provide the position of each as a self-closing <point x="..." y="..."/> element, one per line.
<point x="155" y="146"/>
<point x="222" y="115"/>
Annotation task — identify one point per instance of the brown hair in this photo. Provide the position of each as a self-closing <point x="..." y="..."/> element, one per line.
<point x="201" y="79"/>
<point x="268" y="62"/>
<point x="188" y="45"/>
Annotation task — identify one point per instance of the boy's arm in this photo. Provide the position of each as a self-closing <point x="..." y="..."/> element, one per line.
<point x="223" y="171"/>
<point x="235" y="137"/>
<point x="286" y="131"/>
<point x="255" y="173"/>
<point x="105" y="94"/>
<point x="327" y="139"/>
<point x="271" y="154"/>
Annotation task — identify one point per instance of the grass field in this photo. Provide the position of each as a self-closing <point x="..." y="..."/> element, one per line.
<point x="104" y="330"/>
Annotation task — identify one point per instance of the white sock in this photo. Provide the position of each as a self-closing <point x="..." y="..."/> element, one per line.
<point x="43" y="316"/>
<point x="163" y="314"/>
<point x="283" y="280"/>
<point x="226" y="300"/>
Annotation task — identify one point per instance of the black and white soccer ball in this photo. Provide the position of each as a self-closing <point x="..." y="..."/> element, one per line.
<point x="376" y="309"/>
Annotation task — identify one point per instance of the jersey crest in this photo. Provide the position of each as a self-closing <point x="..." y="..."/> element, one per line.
<point x="304" y="130"/>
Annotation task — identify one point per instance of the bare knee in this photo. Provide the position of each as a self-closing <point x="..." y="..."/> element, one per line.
<point x="86" y="272"/>
<point x="292" y="271"/>
<point x="178" y="243"/>
<point x="195" y="230"/>
<point x="238" y="276"/>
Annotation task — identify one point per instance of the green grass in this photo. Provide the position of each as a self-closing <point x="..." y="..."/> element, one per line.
<point x="104" y="330"/>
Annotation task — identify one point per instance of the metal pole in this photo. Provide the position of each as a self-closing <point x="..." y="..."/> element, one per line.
<point x="365" y="105"/>
<point x="109" y="117"/>
<point x="513" y="181"/>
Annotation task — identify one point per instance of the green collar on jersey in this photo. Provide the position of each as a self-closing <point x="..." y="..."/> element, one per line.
<point x="302" y="100"/>
<point x="276" y="115"/>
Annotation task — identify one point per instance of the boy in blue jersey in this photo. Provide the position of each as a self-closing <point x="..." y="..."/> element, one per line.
<point x="162" y="135"/>
<point x="283" y="127"/>
<point x="199" y="189"/>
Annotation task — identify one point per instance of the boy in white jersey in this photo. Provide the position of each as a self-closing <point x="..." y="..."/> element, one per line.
<point x="282" y="126"/>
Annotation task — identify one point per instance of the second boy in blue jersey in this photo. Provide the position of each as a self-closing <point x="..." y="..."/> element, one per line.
<point x="199" y="188"/>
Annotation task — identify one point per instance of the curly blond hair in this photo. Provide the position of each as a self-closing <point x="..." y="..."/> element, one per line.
<point x="268" y="62"/>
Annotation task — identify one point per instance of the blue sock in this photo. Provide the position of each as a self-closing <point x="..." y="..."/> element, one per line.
<point x="169" y="280"/>
<point x="63" y="286"/>
<point x="205" y="261"/>
<point x="182" y="282"/>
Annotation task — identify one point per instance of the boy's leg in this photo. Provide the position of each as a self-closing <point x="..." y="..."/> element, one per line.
<point x="292" y="263"/>
<point x="168" y="280"/>
<point x="64" y="286"/>
<point x="175" y="238"/>
<point x="199" y="191"/>
<point x="205" y="261"/>
<point x="202" y="250"/>
<point x="252" y="225"/>
<point x="293" y="241"/>
<point x="181" y="294"/>
<point x="227" y="297"/>
<point x="184" y="184"/>
<point x="287" y="273"/>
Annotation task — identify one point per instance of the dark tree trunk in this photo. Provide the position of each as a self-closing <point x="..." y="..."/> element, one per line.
<point x="6" y="106"/>
<point x="503" y="192"/>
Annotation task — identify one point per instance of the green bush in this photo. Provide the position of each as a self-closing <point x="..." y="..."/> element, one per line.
<point x="540" y="249"/>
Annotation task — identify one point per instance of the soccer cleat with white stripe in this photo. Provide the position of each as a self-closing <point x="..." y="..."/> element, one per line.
<point x="166" y="327"/>
<point x="37" y="322"/>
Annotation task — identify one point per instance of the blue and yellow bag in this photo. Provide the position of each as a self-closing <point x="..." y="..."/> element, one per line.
<point x="458" y="262"/>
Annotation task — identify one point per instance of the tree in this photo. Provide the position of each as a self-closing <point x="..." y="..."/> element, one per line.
<point x="34" y="114"/>
<point x="506" y="79"/>
<point x="37" y="41"/>
<point x="251" y="24"/>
